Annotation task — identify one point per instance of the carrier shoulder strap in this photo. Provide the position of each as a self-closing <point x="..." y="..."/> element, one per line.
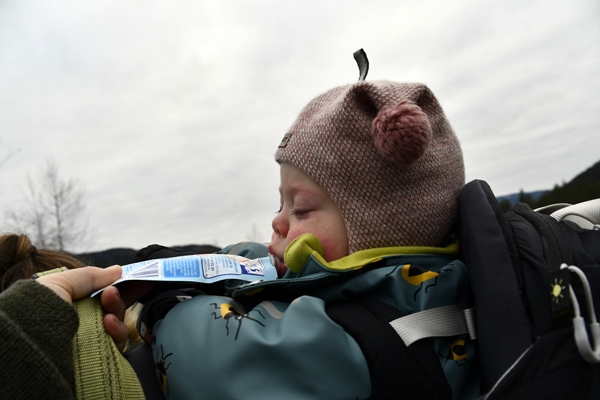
<point x="400" y="357"/>
<point x="489" y="252"/>
<point x="445" y="321"/>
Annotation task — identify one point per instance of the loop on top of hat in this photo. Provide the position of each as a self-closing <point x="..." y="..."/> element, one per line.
<point x="402" y="132"/>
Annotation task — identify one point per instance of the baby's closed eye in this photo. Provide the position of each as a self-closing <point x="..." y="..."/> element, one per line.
<point x="300" y="213"/>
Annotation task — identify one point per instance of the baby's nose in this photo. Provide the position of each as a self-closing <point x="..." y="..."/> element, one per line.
<point x="280" y="226"/>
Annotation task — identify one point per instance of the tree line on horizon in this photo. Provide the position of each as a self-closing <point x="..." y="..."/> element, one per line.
<point x="584" y="187"/>
<point x="53" y="211"/>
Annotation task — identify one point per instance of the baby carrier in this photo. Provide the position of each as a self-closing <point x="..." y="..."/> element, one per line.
<point x="535" y="282"/>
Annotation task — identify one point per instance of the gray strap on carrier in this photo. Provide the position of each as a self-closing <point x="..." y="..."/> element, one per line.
<point x="586" y="214"/>
<point x="436" y="322"/>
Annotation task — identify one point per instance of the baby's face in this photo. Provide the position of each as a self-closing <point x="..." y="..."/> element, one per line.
<point x="305" y="207"/>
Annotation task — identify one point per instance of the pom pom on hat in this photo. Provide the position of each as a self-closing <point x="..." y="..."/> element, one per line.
<point x="402" y="132"/>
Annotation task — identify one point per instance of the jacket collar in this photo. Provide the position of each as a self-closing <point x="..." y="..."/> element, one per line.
<point x="308" y="270"/>
<point x="304" y="256"/>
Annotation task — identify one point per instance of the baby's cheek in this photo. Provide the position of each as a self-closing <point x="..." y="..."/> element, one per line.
<point x="293" y="234"/>
<point x="333" y="248"/>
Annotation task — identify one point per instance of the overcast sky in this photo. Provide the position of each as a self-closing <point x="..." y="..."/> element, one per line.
<point x="169" y="112"/>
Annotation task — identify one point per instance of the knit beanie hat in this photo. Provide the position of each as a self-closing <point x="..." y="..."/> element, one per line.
<point x="388" y="158"/>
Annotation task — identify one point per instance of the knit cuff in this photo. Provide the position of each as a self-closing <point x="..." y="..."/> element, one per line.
<point x="39" y="310"/>
<point x="45" y="318"/>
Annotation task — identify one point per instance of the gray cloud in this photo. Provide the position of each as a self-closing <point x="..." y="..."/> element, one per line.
<point x="170" y="113"/>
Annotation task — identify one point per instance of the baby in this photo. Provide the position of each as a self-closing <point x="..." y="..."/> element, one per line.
<point x="370" y="175"/>
<point x="366" y="166"/>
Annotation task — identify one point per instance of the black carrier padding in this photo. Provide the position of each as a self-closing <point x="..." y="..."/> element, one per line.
<point x="590" y="240"/>
<point x="592" y="273"/>
<point x="514" y="268"/>
<point x="555" y="249"/>
<point x="396" y="371"/>
<point x="551" y="369"/>
<point x="487" y="249"/>
<point x="544" y="244"/>
<point x="140" y="358"/>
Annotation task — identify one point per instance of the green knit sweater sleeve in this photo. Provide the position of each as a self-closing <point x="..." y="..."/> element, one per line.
<point x="36" y="332"/>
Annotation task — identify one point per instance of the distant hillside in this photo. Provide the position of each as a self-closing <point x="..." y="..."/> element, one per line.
<point x="585" y="186"/>
<point x="109" y="257"/>
<point x="589" y="176"/>
<point x="123" y="256"/>
<point x="513" y="198"/>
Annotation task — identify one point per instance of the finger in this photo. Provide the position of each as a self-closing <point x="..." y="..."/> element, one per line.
<point x="84" y="284"/>
<point x="117" y="330"/>
<point x="113" y="303"/>
<point x="80" y="282"/>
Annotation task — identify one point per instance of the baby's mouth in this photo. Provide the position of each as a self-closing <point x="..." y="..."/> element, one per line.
<point x="279" y="265"/>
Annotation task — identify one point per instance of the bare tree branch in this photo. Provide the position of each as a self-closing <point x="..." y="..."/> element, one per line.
<point x="11" y="153"/>
<point x="54" y="214"/>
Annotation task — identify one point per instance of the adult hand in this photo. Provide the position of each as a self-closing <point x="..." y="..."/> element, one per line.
<point x="115" y="302"/>
<point x="77" y="283"/>
<point x="80" y="282"/>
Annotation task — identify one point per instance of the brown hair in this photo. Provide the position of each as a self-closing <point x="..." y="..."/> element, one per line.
<point x="19" y="259"/>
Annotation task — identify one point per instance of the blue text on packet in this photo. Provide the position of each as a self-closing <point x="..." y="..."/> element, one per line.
<point x="181" y="267"/>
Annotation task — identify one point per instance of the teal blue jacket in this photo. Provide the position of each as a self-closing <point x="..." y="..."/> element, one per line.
<point x="252" y="344"/>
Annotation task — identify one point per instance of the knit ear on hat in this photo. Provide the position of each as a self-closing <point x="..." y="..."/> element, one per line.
<point x="402" y="132"/>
